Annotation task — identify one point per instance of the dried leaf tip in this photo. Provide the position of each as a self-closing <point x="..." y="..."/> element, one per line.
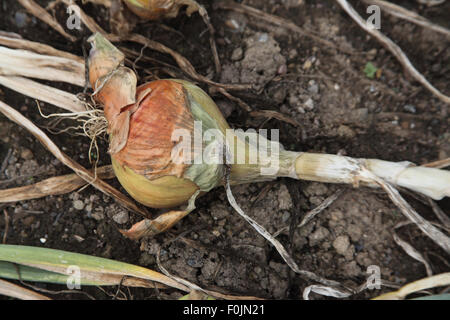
<point x="104" y="58"/>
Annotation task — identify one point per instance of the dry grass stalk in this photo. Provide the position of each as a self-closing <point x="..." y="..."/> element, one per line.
<point x="394" y="49"/>
<point x="439" y="280"/>
<point x="29" y="64"/>
<point x="19" y="43"/>
<point x="52" y="186"/>
<point x="439" y="164"/>
<point x="14" y="291"/>
<point x="36" y="90"/>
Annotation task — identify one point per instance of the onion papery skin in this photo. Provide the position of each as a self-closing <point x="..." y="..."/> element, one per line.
<point x="154" y="9"/>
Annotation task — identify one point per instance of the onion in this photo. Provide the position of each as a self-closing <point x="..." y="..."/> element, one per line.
<point x="144" y="126"/>
<point x="157" y="9"/>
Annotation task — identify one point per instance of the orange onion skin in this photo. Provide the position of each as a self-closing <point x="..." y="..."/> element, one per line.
<point x="148" y="150"/>
<point x="153" y="9"/>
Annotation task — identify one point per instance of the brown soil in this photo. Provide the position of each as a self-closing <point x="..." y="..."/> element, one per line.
<point x="324" y="89"/>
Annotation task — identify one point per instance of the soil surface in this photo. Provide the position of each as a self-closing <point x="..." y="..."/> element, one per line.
<point x="322" y="87"/>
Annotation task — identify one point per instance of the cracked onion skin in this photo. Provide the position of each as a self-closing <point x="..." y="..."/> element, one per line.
<point x="144" y="166"/>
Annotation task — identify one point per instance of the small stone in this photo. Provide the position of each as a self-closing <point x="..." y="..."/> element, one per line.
<point x="351" y="269"/>
<point x="146" y="259"/>
<point x="98" y="214"/>
<point x="219" y="212"/>
<point x="345" y="132"/>
<point x="78" y="238"/>
<point x="409" y="108"/>
<point x="282" y="69"/>
<point x="316" y="189"/>
<point x="355" y="232"/>
<point x="349" y="253"/>
<point x="293" y="54"/>
<point x="78" y="205"/>
<point x="285" y="217"/>
<point x="313" y="87"/>
<point x="20" y="19"/>
<point x="89" y="208"/>
<point x="121" y="217"/>
<point x="317" y="236"/>
<point x="237" y="54"/>
<point x="307" y="65"/>
<point x="360" y="115"/>
<point x="284" y="198"/>
<point x="341" y="244"/>
<point x="309" y="104"/>
<point x="28" y="221"/>
<point x="263" y="37"/>
<point x="216" y="232"/>
<point x="363" y="259"/>
<point x="278" y="94"/>
<point x="26" y="154"/>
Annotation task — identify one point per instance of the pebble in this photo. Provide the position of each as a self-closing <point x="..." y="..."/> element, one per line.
<point x="26" y="154"/>
<point x="345" y="132"/>
<point x="285" y="217"/>
<point x="341" y="244"/>
<point x="313" y="87"/>
<point x="293" y="54"/>
<point x="237" y="54"/>
<point x="309" y="104"/>
<point x="317" y="236"/>
<point x="307" y="65"/>
<point x="219" y="211"/>
<point x="121" y="217"/>
<point x="284" y="198"/>
<point x="409" y="108"/>
<point x="78" y="205"/>
<point x="263" y="37"/>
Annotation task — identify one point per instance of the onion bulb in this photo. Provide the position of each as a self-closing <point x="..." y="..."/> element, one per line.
<point x="158" y="9"/>
<point x="148" y="123"/>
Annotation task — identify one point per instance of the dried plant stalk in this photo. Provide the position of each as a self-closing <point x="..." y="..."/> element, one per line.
<point x="29" y="64"/>
<point x="36" y="90"/>
<point x="12" y="290"/>
<point x="394" y="49"/>
<point x="19" y="43"/>
<point x="52" y="186"/>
